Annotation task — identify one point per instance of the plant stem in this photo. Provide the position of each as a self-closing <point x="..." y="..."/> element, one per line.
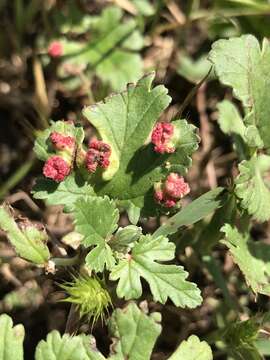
<point x="66" y="261"/>
<point x="204" y="14"/>
<point x="214" y="269"/>
<point x="16" y="177"/>
<point x="72" y="320"/>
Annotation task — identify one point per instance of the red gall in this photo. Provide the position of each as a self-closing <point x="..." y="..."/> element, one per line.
<point x="62" y="142"/>
<point x="171" y="191"/>
<point x="55" y="49"/>
<point x="161" y="137"/>
<point x="56" y="168"/>
<point x="98" y="155"/>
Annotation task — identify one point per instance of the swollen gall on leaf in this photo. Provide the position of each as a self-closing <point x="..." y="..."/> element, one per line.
<point x="171" y="191"/>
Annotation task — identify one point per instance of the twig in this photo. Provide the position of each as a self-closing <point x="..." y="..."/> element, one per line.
<point x="126" y="5"/>
<point x="176" y="13"/>
<point x="42" y="102"/>
<point x="9" y="276"/>
<point x="21" y="195"/>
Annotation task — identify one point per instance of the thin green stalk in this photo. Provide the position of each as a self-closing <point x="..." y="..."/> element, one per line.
<point x="206" y="14"/>
<point x="214" y="269"/>
<point x="16" y="177"/>
<point x="66" y="261"/>
<point x="192" y="6"/>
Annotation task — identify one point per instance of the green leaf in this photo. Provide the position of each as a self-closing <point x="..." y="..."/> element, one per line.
<point x="231" y="122"/>
<point x="133" y="211"/>
<point x="43" y="147"/>
<point x="242" y="64"/>
<point x="100" y="257"/>
<point x="210" y="233"/>
<point x="96" y="219"/>
<point x="194" y="70"/>
<point x="125" y="121"/>
<point x="144" y="7"/>
<point x="136" y="333"/>
<point x="125" y="238"/>
<point x="112" y="51"/>
<point x="164" y="280"/>
<point x="67" y="348"/>
<point x="11" y="339"/>
<point x="252" y="189"/>
<point x="72" y="20"/>
<point x="28" y="240"/>
<point x="253" y="258"/>
<point x="133" y="330"/>
<point x="263" y="346"/>
<point x="193" y="212"/>
<point x="64" y="193"/>
<point x="192" y="349"/>
<point x="240" y="339"/>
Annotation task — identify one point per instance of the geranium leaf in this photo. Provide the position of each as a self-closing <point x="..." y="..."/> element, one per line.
<point x="251" y="187"/>
<point x="109" y="50"/>
<point x="135" y="331"/>
<point x="165" y="281"/>
<point x="96" y="219"/>
<point x="57" y="347"/>
<point x="231" y="122"/>
<point x="242" y="64"/>
<point x="43" y="148"/>
<point x="125" y="238"/>
<point x="194" y="71"/>
<point x="11" y="339"/>
<point x="125" y="122"/>
<point x="253" y="258"/>
<point x="192" y="349"/>
<point x="28" y="240"/>
<point x="100" y="257"/>
<point x="64" y="193"/>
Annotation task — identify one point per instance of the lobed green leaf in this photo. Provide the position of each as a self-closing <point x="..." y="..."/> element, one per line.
<point x="11" y="339"/>
<point x="109" y="50"/>
<point x="165" y="281"/>
<point x="251" y="187"/>
<point x="192" y="349"/>
<point x="242" y="64"/>
<point x="253" y="258"/>
<point x="64" y="193"/>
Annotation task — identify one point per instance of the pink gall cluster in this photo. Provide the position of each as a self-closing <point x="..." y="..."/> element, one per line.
<point x="97" y="155"/>
<point x="61" y="142"/>
<point x="161" y="135"/>
<point x="171" y="191"/>
<point x="56" y="168"/>
<point x="55" y="49"/>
